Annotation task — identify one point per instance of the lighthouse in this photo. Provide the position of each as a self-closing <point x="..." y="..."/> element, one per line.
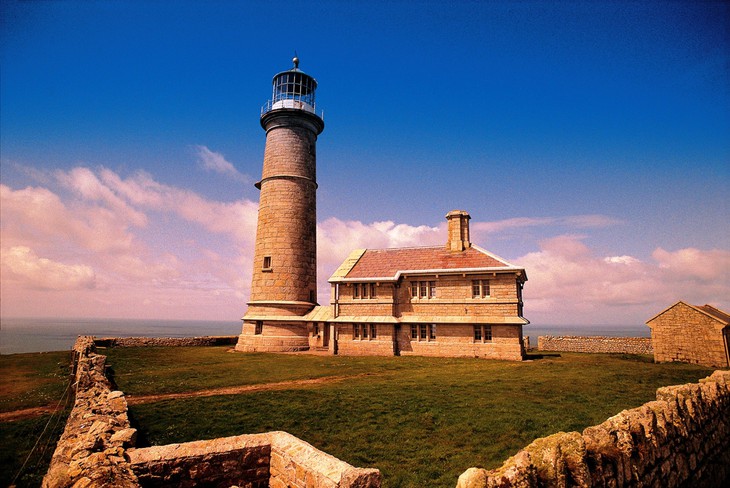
<point x="284" y="279"/>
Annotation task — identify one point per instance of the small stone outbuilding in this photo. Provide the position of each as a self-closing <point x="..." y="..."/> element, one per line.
<point x="698" y="334"/>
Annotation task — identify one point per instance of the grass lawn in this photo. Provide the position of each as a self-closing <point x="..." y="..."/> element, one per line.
<point x="421" y="421"/>
<point x="31" y="380"/>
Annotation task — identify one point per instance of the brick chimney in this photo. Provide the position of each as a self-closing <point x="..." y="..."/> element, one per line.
<point x="458" y="238"/>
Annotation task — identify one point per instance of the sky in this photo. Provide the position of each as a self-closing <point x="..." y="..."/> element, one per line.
<point x="589" y="141"/>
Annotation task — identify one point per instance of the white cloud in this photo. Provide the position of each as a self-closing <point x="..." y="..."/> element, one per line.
<point x="132" y="246"/>
<point x="567" y="279"/>
<point x="216" y="162"/>
<point x="136" y="235"/>
<point x="27" y="269"/>
<point x="571" y="221"/>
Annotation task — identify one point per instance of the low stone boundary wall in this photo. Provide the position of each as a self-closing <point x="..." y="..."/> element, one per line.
<point x="681" y="439"/>
<point x="96" y="448"/>
<point x="595" y="344"/>
<point x="296" y="464"/>
<point x="165" y="341"/>
<point x="216" y="462"/>
<point x="91" y="450"/>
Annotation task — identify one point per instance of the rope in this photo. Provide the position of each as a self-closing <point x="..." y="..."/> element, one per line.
<point x="58" y="404"/>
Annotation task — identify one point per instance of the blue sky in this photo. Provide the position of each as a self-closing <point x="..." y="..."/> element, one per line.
<point x="579" y="135"/>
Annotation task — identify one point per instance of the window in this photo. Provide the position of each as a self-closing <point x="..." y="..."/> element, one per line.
<point x="259" y="327"/>
<point x="423" y="289"/>
<point x="373" y="331"/>
<point x="480" y="288"/>
<point x="482" y="333"/>
<point x="355" y="331"/>
<point x="267" y="263"/>
<point x="423" y="332"/>
<point x="363" y="290"/>
<point x="364" y="331"/>
<point x="316" y="329"/>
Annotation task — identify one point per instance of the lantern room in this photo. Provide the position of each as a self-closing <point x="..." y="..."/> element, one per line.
<point x="292" y="89"/>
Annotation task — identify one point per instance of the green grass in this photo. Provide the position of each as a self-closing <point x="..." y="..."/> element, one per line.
<point x="153" y="370"/>
<point x="421" y="421"/>
<point x="32" y="379"/>
<point x="17" y="440"/>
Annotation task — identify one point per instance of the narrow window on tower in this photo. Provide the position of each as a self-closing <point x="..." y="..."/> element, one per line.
<point x="267" y="263"/>
<point x="259" y="328"/>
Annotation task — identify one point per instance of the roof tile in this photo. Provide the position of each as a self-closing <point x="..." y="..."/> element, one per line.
<point x="380" y="263"/>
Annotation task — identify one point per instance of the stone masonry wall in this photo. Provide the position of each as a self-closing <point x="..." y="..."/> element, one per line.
<point x="165" y="341"/>
<point x="595" y="344"/>
<point x="681" y="439"/>
<point x="217" y="462"/>
<point x="97" y="447"/>
<point x="682" y="333"/>
<point x="91" y="451"/>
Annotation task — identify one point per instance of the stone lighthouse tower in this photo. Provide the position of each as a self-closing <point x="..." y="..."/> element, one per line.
<point x="284" y="284"/>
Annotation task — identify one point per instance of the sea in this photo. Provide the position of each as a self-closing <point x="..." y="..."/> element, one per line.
<point x="21" y="335"/>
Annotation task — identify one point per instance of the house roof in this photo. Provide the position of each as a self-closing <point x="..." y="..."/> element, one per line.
<point x="715" y="313"/>
<point x="390" y="264"/>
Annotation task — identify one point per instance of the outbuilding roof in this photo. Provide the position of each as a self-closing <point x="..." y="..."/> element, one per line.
<point x="390" y="264"/>
<point x="714" y="313"/>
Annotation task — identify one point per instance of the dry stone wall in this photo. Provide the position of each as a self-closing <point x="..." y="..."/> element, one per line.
<point x="681" y="439"/>
<point x="216" y="462"/>
<point x="165" y="341"/>
<point x="595" y="344"/>
<point x="97" y="446"/>
<point x="92" y="448"/>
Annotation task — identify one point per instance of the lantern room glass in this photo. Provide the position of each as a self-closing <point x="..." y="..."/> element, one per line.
<point x="294" y="85"/>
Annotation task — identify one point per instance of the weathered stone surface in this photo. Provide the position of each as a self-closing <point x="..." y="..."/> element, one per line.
<point x="681" y="439"/>
<point x="595" y="344"/>
<point x="86" y="455"/>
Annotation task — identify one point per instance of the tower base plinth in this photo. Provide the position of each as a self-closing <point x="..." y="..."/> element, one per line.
<point x="271" y="336"/>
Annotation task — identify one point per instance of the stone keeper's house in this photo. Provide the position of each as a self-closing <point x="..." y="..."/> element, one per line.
<point x="452" y="300"/>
